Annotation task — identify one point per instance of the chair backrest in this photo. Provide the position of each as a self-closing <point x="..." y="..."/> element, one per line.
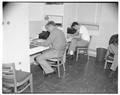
<point x="64" y="55"/>
<point x="8" y="72"/>
<point x="90" y="40"/>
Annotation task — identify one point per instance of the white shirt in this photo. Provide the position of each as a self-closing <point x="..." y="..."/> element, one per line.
<point x="84" y="33"/>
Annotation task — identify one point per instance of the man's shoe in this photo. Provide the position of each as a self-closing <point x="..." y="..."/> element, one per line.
<point x="111" y="74"/>
<point x="49" y="74"/>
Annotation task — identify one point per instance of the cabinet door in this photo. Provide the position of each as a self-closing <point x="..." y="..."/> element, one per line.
<point x="16" y="35"/>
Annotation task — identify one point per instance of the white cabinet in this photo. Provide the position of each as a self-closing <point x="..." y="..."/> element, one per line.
<point x="16" y="35"/>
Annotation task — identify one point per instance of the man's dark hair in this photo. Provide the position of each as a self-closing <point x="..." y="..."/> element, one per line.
<point x="73" y="24"/>
<point x="51" y="23"/>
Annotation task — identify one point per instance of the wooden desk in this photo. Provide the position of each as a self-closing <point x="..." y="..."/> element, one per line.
<point x="36" y="49"/>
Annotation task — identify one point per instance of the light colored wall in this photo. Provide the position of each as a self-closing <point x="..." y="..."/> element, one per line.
<point x="108" y="25"/>
<point x="54" y="10"/>
<point x="69" y="15"/>
<point x="36" y="16"/>
<point x="86" y="12"/>
<point x="37" y="12"/>
<point x="35" y="28"/>
<point x="16" y="36"/>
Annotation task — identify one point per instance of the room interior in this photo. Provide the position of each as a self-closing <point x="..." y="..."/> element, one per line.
<point x="22" y="23"/>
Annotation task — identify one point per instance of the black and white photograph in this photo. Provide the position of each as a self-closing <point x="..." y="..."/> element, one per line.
<point x="59" y="47"/>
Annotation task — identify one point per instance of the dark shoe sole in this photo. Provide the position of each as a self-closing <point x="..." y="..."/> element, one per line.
<point x="49" y="74"/>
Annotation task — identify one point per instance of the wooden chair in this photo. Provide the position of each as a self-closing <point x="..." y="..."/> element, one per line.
<point x="15" y="79"/>
<point x="109" y="59"/>
<point x="57" y="62"/>
<point x="84" y="49"/>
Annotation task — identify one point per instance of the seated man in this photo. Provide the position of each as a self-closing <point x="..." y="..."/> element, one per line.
<point x="80" y="38"/>
<point x="57" y="43"/>
<point x="113" y="48"/>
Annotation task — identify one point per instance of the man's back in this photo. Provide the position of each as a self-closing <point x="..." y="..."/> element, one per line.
<point x="59" y="40"/>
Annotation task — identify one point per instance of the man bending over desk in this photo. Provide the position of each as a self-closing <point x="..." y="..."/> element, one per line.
<point x="81" y="38"/>
<point x="57" y="43"/>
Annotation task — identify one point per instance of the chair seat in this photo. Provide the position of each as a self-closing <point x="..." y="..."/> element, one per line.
<point x="110" y="58"/>
<point x="111" y="55"/>
<point x="20" y="76"/>
<point x="54" y="59"/>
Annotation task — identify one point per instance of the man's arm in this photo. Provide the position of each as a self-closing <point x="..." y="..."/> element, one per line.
<point x="48" y="41"/>
<point x="76" y="34"/>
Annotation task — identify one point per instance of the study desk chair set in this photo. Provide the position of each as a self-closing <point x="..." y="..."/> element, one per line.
<point x="20" y="80"/>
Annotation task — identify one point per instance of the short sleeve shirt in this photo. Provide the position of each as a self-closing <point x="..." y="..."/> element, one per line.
<point x="84" y="33"/>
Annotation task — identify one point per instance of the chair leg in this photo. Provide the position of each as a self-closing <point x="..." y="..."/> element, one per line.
<point x="15" y="89"/>
<point x="31" y="84"/>
<point x="105" y="65"/>
<point x="88" y="59"/>
<point x="64" y="66"/>
<point x="58" y="70"/>
<point x="87" y="56"/>
<point x="77" y="56"/>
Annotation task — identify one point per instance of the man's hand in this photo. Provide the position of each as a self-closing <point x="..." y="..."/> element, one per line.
<point x="76" y="34"/>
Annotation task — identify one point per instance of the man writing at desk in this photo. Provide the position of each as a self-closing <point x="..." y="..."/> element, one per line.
<point x="57" y="43"/>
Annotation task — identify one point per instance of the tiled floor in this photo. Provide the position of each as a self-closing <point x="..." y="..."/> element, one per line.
<point x="80" y="77"/>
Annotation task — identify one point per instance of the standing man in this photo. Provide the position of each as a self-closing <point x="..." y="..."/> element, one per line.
<point x="57" y="41"/>
<point x="80" y="38"/>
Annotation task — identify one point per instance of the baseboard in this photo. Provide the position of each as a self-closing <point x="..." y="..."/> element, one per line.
<point x="92" y="52"/>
